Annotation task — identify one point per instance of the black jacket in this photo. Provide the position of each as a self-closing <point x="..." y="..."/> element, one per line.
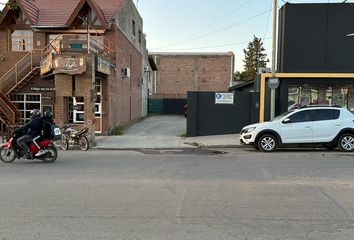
<point x="33" y="128"/>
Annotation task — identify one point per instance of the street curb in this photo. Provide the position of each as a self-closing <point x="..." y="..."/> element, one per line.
<point x="172" y="148"/>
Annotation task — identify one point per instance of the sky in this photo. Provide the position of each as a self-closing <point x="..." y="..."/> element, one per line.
<point x="209" y="25"/>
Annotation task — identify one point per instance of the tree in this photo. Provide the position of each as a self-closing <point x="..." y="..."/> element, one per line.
<point x="255" y="58"/>
<point x="239" y="76"/>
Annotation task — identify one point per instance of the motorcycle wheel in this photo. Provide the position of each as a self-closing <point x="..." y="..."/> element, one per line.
<point x="64" y="143"/>
<point x="50" y="156"/>
<point x="84" y="143"/>
<point x="7" y="155"/>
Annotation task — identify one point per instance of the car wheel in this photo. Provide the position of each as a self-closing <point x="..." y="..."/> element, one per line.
<point x="267" y="143"/>
<point x="346" y="142"/>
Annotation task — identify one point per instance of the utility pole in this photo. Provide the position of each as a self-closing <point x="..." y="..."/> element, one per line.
<point x="274" y="46"/>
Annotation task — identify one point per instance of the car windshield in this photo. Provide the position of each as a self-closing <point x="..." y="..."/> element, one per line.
<point x="282" y="115"/>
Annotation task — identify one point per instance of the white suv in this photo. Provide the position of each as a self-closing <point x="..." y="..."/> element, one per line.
<point x="329" y="126"/>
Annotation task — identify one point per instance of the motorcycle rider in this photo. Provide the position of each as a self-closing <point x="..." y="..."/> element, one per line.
<point x="46" y="130"/>
<point x="32" y="132"/>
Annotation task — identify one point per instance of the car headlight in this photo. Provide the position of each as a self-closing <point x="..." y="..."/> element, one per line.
<point x="248" y="130"/>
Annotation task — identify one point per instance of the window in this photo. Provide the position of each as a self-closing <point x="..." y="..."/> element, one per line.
<point x="139" y="36"/>
<point x="98" y="104"/>
<point x="303" y="116"/>
<point x="133" y="27"/>
<point x="26" y="103"/>
<point x="47" y="108"/>
<point x="326" y="114"/>
<point x="79" y="109"/>
<point x="322" y="94"/>
<point x="22" y="40"/>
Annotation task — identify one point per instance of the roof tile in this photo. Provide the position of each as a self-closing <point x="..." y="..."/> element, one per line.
<point x="57" y="13"/>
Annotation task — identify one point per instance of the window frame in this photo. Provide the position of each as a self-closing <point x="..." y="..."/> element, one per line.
<point x="336" y="114"/>
<point x="301" y="112"/>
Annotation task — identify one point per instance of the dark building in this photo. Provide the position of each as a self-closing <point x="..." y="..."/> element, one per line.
<point x="313" y="38"/>
<point x="315" y="64"/>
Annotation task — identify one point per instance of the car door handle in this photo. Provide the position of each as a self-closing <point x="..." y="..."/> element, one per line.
<point x="308" y="127"/>
<point x="337" y="124"/>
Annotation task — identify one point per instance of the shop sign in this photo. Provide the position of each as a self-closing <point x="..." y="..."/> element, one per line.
<point x="69" y="65"/>
<point x="47" y="64"/>
<point x="46" y="98"/>
<point x="42" y="89"/>
<point x="103" y="66"/>
<point x="224" y="98"/>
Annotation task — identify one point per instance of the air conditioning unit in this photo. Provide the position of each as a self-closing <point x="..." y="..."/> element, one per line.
<point x="126" y="72"/>
<point x="146" y="69"/>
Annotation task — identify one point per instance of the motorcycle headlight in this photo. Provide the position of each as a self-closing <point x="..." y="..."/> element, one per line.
<point x="249" y="130"/>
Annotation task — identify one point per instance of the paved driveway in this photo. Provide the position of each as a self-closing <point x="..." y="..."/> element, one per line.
<point x="152" y="132"/>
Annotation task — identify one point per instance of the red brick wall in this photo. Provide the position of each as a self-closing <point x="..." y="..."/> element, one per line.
<point x="124" y="93"/>
<point x="178" y="74"/>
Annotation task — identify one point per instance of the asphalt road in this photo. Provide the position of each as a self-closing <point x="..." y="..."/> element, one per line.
<point x="164" y="195"/>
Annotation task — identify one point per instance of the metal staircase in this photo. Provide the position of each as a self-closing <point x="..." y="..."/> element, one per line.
<point x="11" y="82"/>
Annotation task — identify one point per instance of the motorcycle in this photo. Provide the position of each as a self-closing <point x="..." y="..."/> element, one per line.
<point x="73" y="137"/>
<point x="10" y="151"/>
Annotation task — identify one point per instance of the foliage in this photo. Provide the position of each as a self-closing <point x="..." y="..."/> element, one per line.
<point x="239" y="76"/>
<point x="117" y="131"/>
<point x="11" y="6"/>
<point x="255" y="58"/>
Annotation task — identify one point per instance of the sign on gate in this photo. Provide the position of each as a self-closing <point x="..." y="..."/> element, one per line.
<point x="224" y="98"/>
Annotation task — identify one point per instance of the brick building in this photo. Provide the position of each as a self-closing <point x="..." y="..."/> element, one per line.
<point x="82" y="59"/>
<point x="178" y="73"/>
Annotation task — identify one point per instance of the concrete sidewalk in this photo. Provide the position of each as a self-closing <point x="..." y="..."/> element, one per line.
<point x="160" y="142"/>
<point x="162" y="132"/>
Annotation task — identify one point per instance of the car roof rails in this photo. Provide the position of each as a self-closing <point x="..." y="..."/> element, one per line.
<point x="309" y="106"/>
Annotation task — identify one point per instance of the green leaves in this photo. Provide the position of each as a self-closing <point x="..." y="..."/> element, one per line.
<point x="255" y="58"/>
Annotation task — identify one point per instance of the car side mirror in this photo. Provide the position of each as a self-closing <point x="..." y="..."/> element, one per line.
<point x="286" y="121"/>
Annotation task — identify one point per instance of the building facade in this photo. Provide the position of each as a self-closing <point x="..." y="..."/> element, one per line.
<point x="178" y="73"/>
<point x="81" y="59"/>
<point x="314" y="57"/>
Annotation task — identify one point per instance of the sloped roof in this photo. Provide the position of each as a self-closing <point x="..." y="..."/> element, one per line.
<point x="57" y="13"/>
<point x="31" y="11"/>
<point x="92" y="5"/>
<point x="109" y="7"/>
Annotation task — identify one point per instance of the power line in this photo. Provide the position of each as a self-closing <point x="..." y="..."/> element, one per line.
<point x="214" y="46"/>
<point x="267" y="26"/>
<point x="211" y="24"/>
<point x="218" y="30"/>
<point x="233" y="11"/>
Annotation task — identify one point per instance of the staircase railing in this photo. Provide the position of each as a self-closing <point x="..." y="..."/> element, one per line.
<point x="8" y="109"/>
<point x="53" y="46"/>
<point x="21" y="69"/>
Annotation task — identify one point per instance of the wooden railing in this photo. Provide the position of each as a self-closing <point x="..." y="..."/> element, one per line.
<point x="64" y="42"/>
<point x="53" y="46"/>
